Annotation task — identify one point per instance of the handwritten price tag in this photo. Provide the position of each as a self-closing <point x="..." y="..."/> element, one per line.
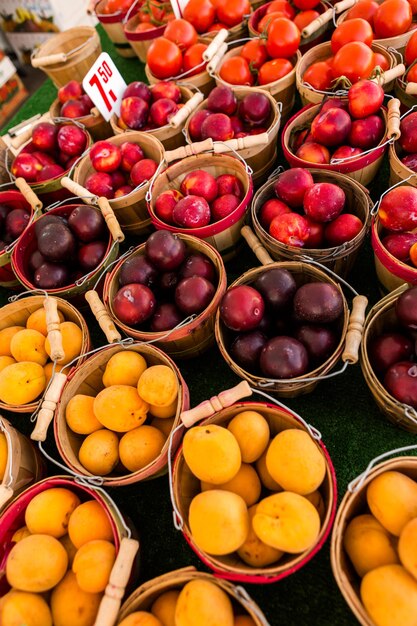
<point x="105" y="86"/>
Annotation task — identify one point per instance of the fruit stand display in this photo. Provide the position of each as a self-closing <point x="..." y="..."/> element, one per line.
<point x="205" y="242"/>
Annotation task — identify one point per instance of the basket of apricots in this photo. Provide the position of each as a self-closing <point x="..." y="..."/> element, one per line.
<point x="62" y="543"/>
<point x="38" y="336"/>
<point x="187" y="596"/>
<point x="260" y="471"/>
<point x="20" y="463"/>
<point x="373" y="546"/>
<point x="115" y="413"/>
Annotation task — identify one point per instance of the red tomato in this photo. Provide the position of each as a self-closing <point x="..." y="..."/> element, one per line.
<point x="319" y="75"/>
<point x="144" y="16"/>
<point x="215" y="27"/>
<point x="157" y="11"/>
<point x="305" y="4"/>
<point x="254" y="51"/>
<point x="142" y="26"/>
<point x="304" y="18"/>
<point x="283" y="38"/>
<point x="164" y="58"/>
<point x="117" y="6"/>
<point x="355" y="60"/>
<point x="381" y="61"/>
<point x="236" y="71"/>
<point x="182" y="33"/>
<point x="411" y="76"/>
<point x="357" y="29"/>
<point x="232" y="11"/>
<point x="413" y="5"/>
<point x="392" y="18"/>
<point x="201" y="14"/>
<point x="274" y="70"/>
<point x="411" y="49"/>
<point x="267" y="20"/>
<point x="193" y="58"/>
<point x="365" y="9"/>
<point x="281" y="6"/>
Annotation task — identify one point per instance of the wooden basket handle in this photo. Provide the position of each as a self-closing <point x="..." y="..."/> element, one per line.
<point x="355" y="330"/>
<point x="189" y="150"/>
<point x="250" y="141"/>
<point x="102" y="316"/>
<point x="95" y="112"/>
<point x="111" y="220"/>
<point x="75" y="188"/>
<point x="344" y="5"/>
<point x="216" y="44"/>
<point x="213" y="64"/>
<point x="216" y="403"/>
<point x="53" y="327"/>
<point x="119" y="577"/>
<point x="29" y="195"/>
<point x="6" y="493"/>
<point x="182" y="114"/>
<point x="51" y="399"/>
<point x="255" y="245"/>
<point x="389" y="75"/>
<point x="50" y="59"/>
<point x="320" y="21"/>
<point x="393" y="122"/>
<point x="411" y="89"/>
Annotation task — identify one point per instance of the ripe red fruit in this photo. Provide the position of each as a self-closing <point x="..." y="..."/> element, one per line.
<point x="408" y="138"/>
<point x="290" y="228"/>
<point x="271" y="209"/>
<point x="143" y="170"/>
<point x="105" y="156"/>
<point x="199" y="183"/>
<point x="134" y="304"/>
<point x="401" y="382"/>
<point x="323" y="202"/>
<point x="398" y="209"/>
<point x="365" y="98"/>
<point x="71" y="140"/>
<point x="44" y="136"/>
<point x="343" y="229"/>
<point x="292" y="185"/>
<point x="192" y="212"/>
<point x="332" y="127"/>
<point x="242" y="308"/>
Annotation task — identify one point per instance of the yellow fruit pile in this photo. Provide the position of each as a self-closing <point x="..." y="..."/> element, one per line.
<point x="25" y="366"/>
<point x="238" y="467"/>
<point x="199" y="603"/>
<point x="382" y="546"/>
<point x="66" y="550"/>
<point x="130" y="419"/>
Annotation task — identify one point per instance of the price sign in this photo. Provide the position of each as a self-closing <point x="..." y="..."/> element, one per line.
<point x="105" y="86"/>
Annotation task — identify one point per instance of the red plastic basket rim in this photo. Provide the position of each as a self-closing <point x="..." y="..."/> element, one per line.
<point x="393" y="265"/>
<point x="144" y="35"/>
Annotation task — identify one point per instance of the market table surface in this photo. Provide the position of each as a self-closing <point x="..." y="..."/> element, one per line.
<point x="342" y="408"/>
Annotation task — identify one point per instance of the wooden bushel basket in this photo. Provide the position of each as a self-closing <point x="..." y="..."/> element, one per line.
<point x="259" y="157"/>
<point x="381" y="319"/>
<point x="186" y="486"/>
<point x="143" y="598"/>
<point x="340" y="259"/>
<point x="87" y="379"/>
<point x="350" y="327"/>
<point x="354" y="503"/>
<point x="16" y="314"/>
<point x="323" y="51"/>
<point x="130" y="210"/>
<point x="398" y="171"/>
<point x="140" y="41"/>
<point x="24" y="464"/>
<point x="170" y="135"/>
<point x="192" y="339"/>
<point x="68" y="55"/>
<point x="113" y="25"/>
<point x="391" y="272"/>
<point x="125" y="567"/>
<point x="94" y="122"/>
<point x="362" y="168"/>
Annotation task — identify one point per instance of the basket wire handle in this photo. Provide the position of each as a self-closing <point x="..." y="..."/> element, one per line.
<point x="249" y="605"/>
<point x="6" y="490"/>
<point x="375" y="208"/>
<point x="357" y="482"/>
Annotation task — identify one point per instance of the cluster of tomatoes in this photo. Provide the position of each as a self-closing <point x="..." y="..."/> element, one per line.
<point x="210" y="15"/>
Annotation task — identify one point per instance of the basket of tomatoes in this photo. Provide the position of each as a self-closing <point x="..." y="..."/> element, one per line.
<point x="406" y="85"/>
<point x="209" y="17"/>
<point x="111" y="15"/>
<point x="148" y="23"/>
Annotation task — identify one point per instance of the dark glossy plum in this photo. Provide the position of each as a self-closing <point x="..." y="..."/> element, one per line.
<point x="246" y="349"/>
<point x="277" y="286"/>
<point x="406" y="308"/>
<point x="193" y="294"/>
<point x="284" y="357"/>
<point x="91" y="254"/>
<point x="87" y="223"/>
<point x="138" y="269"/>
<point x="165" y="250"/>
<point x="320" y="341"/>
<point x="45" y="220"/>
<point x="168" y="282"/>
<point x="198" y="265"/>
<point x="242" y="308"/>
<point x="16" y="222"/>
<point x="388" y="349"/>
<point x="401" y="382"/>
<point x="35" y="260"/>
<point x="51" y="276"/>
<point x="318" y="303"/>
<point x="134" y="304"/>
<point x="56" y="243"/>
<point x="166" y="317"/>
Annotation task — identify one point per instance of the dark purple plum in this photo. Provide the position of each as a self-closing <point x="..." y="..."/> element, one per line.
<point x="91" y="254"/>
<point x="406" y="308"/>
<point x="16" y="222"/>
<point x="134" y="304"/>
<point x="165" y="250"/>
<point x="277" y="286"/>
<point x="168" y="282"/>
<point x="87" y="223"/>
<point x="246" y="349"/>
<point x="284" y="357"/>
<point x="51" y="276"/>
<point x="36" y="260"/>
<point x="138" y="269"/>
<point x="45" y="220"/>
<point x="198" y="265"/>
<point x="166" y="317"/>
<point x="56" y="243"/>
<point x="320" y="341"/>
<point x="242" y="308"/>
<point x="193" y="294"/>
<point x="318" y="303"/>
<point x="388" y="349"/>
<point x="401" y="382"/>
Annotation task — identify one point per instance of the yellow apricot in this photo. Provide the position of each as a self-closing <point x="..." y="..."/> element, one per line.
<point x="92" y="565"/>
<point x="164" y="607"/>
<point x="120" y="408"/>
<point x="389" y="595"/>
<point x="252" y="434"/>
<point x="71" y="606"/>
<point x="29" y="345"/>
<point x="212" y="453"/>
<point x="368" y="544"/>
<point x="407" y="547"/>
<point x="255" y="552"/>
<point x="69" y="547"/>
<point x="204" y="603"/>
<point x="219" y="521"/>
<point x="36" y="563"/>
<point x="99" y="452"/>
<point x="5" y="361"/>
<point x="6" y="336"/>
<point x="287" y="521"/>
<point x="164" y="412"/>
<point x="4" y="454"/>
<point x="140" y="446"/>
<point x="20" y="534"/>
<point x="317" y="501"/>
<point x="141" y="618"/>
<point x="246" y="484"/>
<point x="392" y="498"/>
<point x="49" y="511"/>
<point x="158" y="385"/>
<point x="72" y="341"/>
<point x="19" y="608"/>
<point x="21" y="383"/>
<point x="89" y="521"/>
<point x="264" y="475"/>
<point x="79" y="415"/>
<point x="124" y="368"/>
<point x="164" y="425"/>
<point x="243" y="620"/>
<point x="49" y="369"/>
<point x="37" y="321"/>
<point x="295" y="462"/>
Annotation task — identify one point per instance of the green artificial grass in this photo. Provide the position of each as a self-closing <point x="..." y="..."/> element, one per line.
<point x="342" y="408"/>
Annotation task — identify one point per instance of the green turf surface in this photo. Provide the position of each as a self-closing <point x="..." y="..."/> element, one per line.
<point x="342" y="408"/>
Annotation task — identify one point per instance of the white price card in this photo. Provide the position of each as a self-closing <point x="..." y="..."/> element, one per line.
<point x="105" y="86"/>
